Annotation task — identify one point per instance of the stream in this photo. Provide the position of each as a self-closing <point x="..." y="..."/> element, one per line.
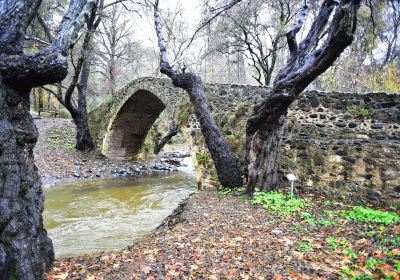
<point x="86" y="217"/>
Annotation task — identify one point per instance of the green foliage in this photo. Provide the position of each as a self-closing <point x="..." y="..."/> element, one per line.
<point x="279" y="202"/>
<point x="336" y="243"/>
<point x="230" y="137"/>
<point x="305" y="247"/>
<point x="326" y="223"/>
<point x="309" y="219"/>
<point x="359" y="111"/>
<point x="371" y="263"/>
<point x="228" y="191"/>
<point x="349" y="252"/>
<point x="214" y="115"/>
<point x="202" y="158"/>
<point x="368" y="215"/>
<point x="364" y="112"/>
<point x="352" y="108"/>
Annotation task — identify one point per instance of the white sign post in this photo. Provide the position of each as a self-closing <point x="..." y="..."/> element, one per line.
<point x="291" y="177"/>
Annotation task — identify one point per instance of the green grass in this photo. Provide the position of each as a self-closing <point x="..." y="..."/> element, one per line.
<point x="336" y="243"/>
<point x="309" y="219"/>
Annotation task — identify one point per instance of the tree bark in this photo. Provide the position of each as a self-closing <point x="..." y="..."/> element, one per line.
<point x="25" y="250"/>
<point x="84" y="140"/>
<point x="171" y="133"/>
<point x="264" y="134"/>
<point x="264" y="148"/>
<point x="226" y="164"/>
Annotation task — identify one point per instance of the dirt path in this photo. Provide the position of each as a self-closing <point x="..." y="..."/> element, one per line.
<point x="225" y="237"/>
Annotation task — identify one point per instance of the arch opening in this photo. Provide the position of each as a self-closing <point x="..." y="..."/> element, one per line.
<point x="128" y="129"/>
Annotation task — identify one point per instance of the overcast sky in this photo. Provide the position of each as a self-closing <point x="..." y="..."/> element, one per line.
<point x="144" y="27"/>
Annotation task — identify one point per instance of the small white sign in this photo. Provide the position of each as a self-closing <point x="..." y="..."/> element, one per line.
<point x="291" y="177"/>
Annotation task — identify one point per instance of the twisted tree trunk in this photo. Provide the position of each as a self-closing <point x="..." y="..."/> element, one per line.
<point x="263" y="153"/>
<point x="25" y="250"/>
<point x="307" y="61"/>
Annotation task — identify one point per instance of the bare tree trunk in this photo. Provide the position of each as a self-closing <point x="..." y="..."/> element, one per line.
<point x="25" y="250"/>
<point x="84" y="140"/>
<point x="264" y="134"/>
<point x="263" y="149"/>
<point x="171" y="133"/>
<point x="226" y="164"/>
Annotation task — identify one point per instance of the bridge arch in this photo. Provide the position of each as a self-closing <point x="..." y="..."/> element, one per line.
<point x="128" y="128"/>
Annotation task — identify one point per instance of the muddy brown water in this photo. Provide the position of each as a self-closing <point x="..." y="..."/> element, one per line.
<point x="109" y="214"/>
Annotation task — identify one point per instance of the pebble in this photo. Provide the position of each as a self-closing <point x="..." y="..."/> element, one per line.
<point x="377" y="126"/>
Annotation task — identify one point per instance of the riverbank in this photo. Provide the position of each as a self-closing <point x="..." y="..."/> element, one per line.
<point x="59" y="163"/>
<point x="226" y="237"/>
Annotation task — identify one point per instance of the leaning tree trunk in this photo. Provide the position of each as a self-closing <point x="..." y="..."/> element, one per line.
<point x="25" y="250"/>
<point x="228" y="169"/>
<point x="226" y="164"/>
<point x="84" y="140"/>
<point x="171" y="133"/>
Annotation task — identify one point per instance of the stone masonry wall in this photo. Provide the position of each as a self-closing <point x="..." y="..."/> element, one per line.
<point x="343" y="144"/>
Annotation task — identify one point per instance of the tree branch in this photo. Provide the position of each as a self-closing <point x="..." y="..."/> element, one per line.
<point x="291" y="34"/>
<point x="318" y="26"/>
<point x="47" y="66"/>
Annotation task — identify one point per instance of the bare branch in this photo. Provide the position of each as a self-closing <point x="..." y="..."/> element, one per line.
<point x="165" y="66"/>
<point x="48" y="65"/>
<point x="318" y="26"/>
<point x="291" y="34"/>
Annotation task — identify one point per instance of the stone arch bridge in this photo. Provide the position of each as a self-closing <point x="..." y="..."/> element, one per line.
<point x="122" y="123"/>
<point x="335" y="142"/>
